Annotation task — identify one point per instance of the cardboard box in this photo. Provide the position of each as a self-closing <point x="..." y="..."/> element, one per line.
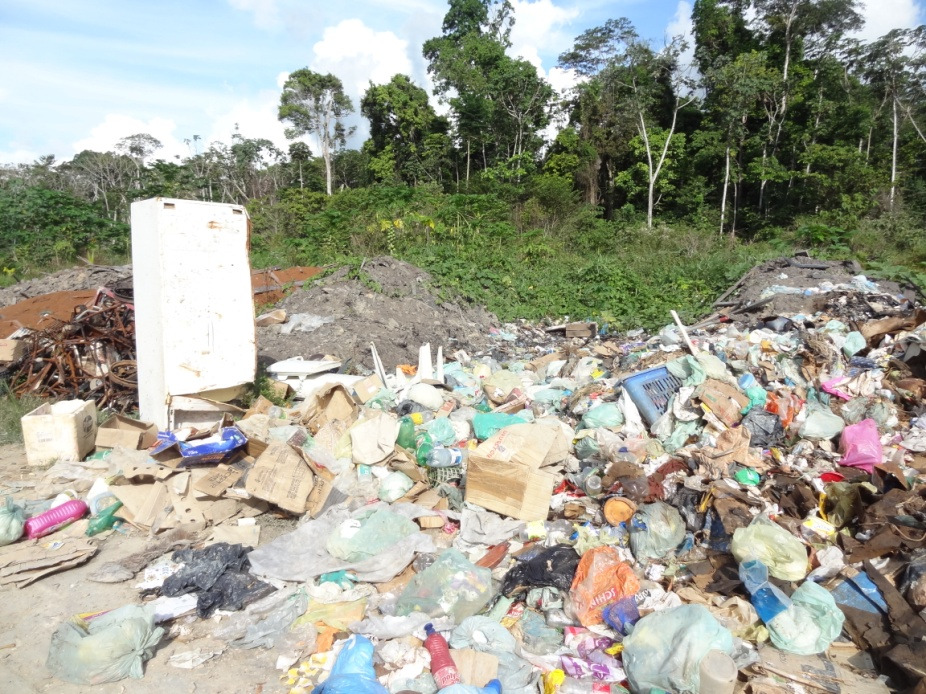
<point x="504" y="475"/>
<point x="61" y="431"/>
<point x="475" y="667"/>
<point x="12" y="350"/>
<point x="126" y="432"/>
<point x="510" y="489"/>
<point x="282" y="477"/>
<point x="724" y="400"/>
<point x="367" y="389"/>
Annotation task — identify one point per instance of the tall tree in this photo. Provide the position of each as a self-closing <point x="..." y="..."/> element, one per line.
<point x="647" y="87"/>
<point x="315" y="104"/>
<point x="408" y="140"/>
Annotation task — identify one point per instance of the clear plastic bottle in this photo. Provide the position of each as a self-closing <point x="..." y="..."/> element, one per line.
<point x="593" y="485"/>
<point x="446" y="457"/>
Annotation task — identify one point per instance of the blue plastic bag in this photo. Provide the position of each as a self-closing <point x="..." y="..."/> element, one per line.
<point x="352" y="672"/>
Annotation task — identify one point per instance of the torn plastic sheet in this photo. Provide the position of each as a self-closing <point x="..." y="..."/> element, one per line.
<point x="301" y="555"/>
<point x="478" y="527"/>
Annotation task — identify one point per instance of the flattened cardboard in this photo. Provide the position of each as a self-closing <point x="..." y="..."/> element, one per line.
<point x="509" y="488"/>
<point x="475" y="668"/>
<point x="367" y="389"/>
<point x="724" y="400"/>
<point x="816" y="671"/>
<point x="331" y="404"/>
<point x="322" y="497"/>
<point x="128" y="433"/>
<point x="526" y="444"/>
<point x="282" y="477"/>
<point x="26" y="562"/>
<point x="12" y="350"/>
<point x="544" y="361"/>
<point x="217" y="481"/>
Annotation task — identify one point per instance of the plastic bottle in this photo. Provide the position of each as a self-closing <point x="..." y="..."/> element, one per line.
<point x="104" y="520"/>
<point x="768" y="600"/>
<point x="555" y="531"/>
<point x="443" y="669"/>
<point x="406" y="437"/>
<point x="54" y="518"/>
<point x="424" y="444"/>
<point x="446" y="457"/>
<point x="593" y="485"/>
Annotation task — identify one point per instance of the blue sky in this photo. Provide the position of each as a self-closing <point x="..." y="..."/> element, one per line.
<point x="80" y="74"/>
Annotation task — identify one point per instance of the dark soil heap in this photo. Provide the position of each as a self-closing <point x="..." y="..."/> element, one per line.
<point x="401" y="315"/>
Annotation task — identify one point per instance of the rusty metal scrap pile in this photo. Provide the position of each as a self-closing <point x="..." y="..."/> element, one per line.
<point x="90" y="357"/>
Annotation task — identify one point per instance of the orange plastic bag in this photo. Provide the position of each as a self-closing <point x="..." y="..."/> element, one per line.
<point x="601" y="579"/>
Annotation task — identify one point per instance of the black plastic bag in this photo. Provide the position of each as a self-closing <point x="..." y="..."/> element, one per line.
<point x="555" y="566"/>
<point x="765" y="428"/>
<point x="220" y="574"/>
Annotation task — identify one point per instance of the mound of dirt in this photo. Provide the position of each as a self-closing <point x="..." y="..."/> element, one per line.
<point x="399" y="317"/>
<point x="86" y="277"/>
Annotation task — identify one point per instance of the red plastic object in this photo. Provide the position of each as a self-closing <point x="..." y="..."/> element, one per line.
<point x="54" y="518"/>
<point x="832" y="477"/>
<point x="443" y="669"/>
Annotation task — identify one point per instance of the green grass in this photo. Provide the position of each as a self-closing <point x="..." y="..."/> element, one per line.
<point x="12" y="410"/>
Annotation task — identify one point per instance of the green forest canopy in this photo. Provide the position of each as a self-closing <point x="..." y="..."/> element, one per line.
<point x="783" y="120"/>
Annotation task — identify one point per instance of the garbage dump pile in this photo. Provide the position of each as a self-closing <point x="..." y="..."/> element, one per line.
<point x="738" y="507"/>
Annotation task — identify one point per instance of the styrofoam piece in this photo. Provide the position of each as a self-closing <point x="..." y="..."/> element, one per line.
<point x="305" y="388"/>
<point x="440" y="364"/>
<point x="425" y="366"/>
<point x="297" y="367"/>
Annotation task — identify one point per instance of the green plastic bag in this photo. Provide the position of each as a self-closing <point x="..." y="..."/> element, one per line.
<point x="452" y="585"/>
<point x="606" y="415"/>
<point x="357" y="539"/>
<point x="12" y="521"/>
<point x="810" y="624"/>
<point x="665" y="649"/>
<point x="107" y="648"/>
<point x="441" y="431"/>
<point x="783" y="554"/>
<point x="655" y="530"/>
<point x="485" y="424"/>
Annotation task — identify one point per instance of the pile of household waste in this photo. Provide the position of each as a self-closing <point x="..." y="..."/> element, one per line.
<point x="699" y="511"/>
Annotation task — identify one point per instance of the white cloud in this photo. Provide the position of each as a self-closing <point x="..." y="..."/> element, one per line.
<point x="538" y="26"/>
<point x="358" y="55"/>
<point x="115" y="126"/>
<point x="883" y="15"/>
<point x="266" y="13"/>
<point x="681" y="25"/>
<point x="255" y="118"/>
<point x="17" y="156"/>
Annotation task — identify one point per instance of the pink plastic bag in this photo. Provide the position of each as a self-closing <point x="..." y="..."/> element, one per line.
<point x="860" y="446"/>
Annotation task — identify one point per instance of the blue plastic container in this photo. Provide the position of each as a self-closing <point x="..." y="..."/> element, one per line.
<point x="651" y="391"/>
